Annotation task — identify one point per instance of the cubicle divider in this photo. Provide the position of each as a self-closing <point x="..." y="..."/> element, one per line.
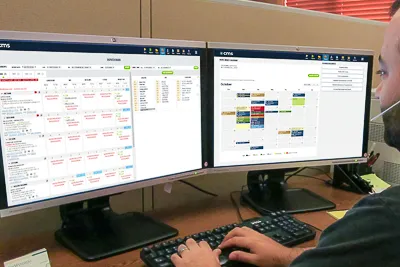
<point x="253" y="22"/>
<point x="98" y="17"/>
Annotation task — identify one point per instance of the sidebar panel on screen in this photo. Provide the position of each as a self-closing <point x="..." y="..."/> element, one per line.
<point x="167" y="113"/>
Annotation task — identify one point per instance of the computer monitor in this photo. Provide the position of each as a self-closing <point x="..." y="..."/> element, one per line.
<point x="279" y="107"/>
<point x="86" y="117"/>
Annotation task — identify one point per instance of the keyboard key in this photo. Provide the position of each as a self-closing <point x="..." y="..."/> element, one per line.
<point x="147" y="250"/>
<point x="275" y="220"/>
<point x="157" y="246"/>
<point x="165" y="244"/>
<point x="161" y="253"/>
<point x="224" y="229"/>
<point x="218" y="237"/>
<point x="172" y="243"/>
<point x="179" y="241"/>
<point x="213" y="245"/>
<point x="209" y="233"/>
<point x="273" y="214"/>
<point x="299" y="233"/>
<point x="263" y="224"/>
<point x="235" y="225"/>
<point x="175" y="249"/>
<point x="152" y="255"/>
<point x="196" y="236"/>
<point x="169" y="251"/>
<point x="217" y="230"/>
<point x="230" y="226"/>
<point x="203" y="234"/>
<point x="159" y="260"/>
<point x="165" y="264"/>
<point x="262" y="230"/>
<point x="211" y="238"/>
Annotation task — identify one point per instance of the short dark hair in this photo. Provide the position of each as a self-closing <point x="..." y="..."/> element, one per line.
<point x="395" y="7"/>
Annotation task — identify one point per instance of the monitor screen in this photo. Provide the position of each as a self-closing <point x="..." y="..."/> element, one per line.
<point x="78" y="117"/>
<point x="273" y="106"/>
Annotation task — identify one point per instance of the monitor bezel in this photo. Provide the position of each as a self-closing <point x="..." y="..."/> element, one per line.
<point x="211" y="46"/>
<point x="6" y="210"/>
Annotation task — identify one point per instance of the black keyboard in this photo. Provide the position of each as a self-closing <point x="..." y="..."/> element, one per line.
<point x="279" y="226"/>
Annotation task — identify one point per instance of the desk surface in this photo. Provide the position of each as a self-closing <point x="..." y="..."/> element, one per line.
<point x="189" y="219"/>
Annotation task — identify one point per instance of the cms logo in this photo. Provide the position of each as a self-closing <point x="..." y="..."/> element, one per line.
<point x="226" y="53"/>
<point x="5" y="46"/>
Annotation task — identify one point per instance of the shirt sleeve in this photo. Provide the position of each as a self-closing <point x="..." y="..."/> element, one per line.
<point x="368" y="236"/>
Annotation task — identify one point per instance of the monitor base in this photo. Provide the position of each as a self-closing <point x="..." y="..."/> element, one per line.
<point x="97" y="232"/>
<point x="297" y="200"/>
<point x="272" y="194"/>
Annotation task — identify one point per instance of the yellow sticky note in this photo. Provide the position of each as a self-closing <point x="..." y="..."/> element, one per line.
<point x="378" y="183"/>
<point x="337" y="214"/>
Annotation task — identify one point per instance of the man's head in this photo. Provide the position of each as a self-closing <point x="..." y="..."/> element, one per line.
<point x="388" y="90"/>
<point x="394" y="8"/>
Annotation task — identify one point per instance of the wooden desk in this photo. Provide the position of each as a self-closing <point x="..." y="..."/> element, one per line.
<point x="189" y="219"/>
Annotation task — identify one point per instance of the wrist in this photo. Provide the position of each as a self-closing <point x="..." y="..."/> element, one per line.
<point x="292" y="254"/>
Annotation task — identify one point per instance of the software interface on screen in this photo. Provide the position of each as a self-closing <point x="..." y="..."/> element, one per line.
<point x="273" y="107"/>
<point x="107" y="115"/>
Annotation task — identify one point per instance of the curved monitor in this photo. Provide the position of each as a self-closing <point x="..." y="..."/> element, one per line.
<point x="282" y="107"/>
<point x="89" y="116"/>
